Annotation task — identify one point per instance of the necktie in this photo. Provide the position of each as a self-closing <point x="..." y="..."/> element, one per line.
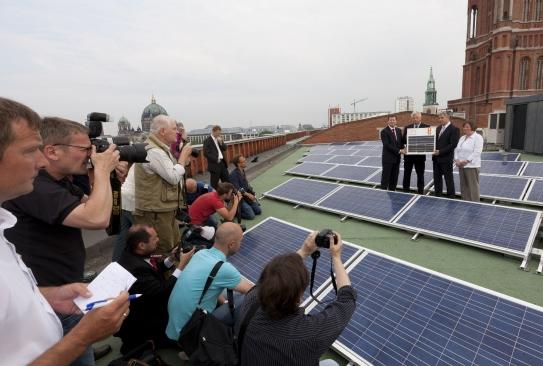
<point x="441" y="132"/>
<point x="153" y="262"/>
<point x="395" y="137"/>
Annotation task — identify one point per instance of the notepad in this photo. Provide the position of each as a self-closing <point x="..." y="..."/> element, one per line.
<point x="108" y="284"/>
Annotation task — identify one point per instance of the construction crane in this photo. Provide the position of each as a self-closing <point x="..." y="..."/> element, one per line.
<point x="355" y="102"/>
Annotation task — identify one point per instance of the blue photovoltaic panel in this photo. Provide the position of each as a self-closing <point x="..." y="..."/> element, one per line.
<point x="302" y="190"/>
<point x="273" y="237"/>
<point x="494" y="186"/>
<point x="533" y="170"/>
<point x="366" y="151"/>
<point x="428" y="179"/>
<point x="338" y="143"/>
<point x="372" y="161"/>
<point x="342" y="159"/>
<point x="316" y="158"/>
<point x="342" y="152"/>
<point x="310" y="168"/>
<point x="536" y="193"/>
<point x="374" y="143"/>
<point x="410" y="316"/>
<point x="501" y="167"/>
<point x="350" y="172"/>
<point x="491" y="155"/>
<point x="507" y="228"/>
<point x="366" y="202"/>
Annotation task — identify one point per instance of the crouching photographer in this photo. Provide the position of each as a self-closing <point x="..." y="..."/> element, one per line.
<point x="249" y="205"/>
<point x="53" y="214"/>
<point x="274" y="328"/>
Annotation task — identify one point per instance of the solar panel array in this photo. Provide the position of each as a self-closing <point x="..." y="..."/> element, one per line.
<point x="495" y="155"/>
<point x="273" y="237"/>
<point x="535" y="194"/>
<point x="408" y="315"/>
<point x="533" y="169"/>
<point x="302" y="191"/>
<point x="428" y="179"/>
<point x="501" y="167"/>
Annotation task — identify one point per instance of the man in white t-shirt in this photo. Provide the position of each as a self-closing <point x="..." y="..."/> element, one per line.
<point x="31" y="331"/>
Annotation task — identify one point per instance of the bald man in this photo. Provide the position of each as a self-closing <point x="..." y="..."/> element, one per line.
<point x="196" y="189"/>
<point x="188" y="288"/>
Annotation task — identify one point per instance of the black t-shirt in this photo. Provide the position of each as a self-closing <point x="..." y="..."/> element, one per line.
<point x="54" y="252"/>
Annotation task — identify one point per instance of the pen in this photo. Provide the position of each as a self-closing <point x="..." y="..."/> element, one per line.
<point x="98" y="304"/>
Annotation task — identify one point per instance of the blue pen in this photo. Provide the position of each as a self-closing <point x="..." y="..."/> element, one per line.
<point x="98" y="304"/>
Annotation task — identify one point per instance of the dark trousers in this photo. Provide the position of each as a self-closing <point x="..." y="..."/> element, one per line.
<point x="389" y="176"/>
<point x="216" y="175"/>
<point x="419" y="169"/>
<point x="443" y="170"/>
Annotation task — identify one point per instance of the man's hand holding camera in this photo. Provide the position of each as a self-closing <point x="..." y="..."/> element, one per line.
<point x="309" y="245"/>
<point x="105" y="162"/>
<point x="184" y="155"/>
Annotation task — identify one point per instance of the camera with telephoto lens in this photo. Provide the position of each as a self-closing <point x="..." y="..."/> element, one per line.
<point x="132" y="153"/>
<point x="192" y="238"/>
<point x="322" y="240"/>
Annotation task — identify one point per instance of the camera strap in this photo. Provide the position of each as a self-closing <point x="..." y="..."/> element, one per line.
<point x="316" y="255"/>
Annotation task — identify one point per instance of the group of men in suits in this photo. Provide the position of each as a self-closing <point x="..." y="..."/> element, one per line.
<point x="394" y="142"/>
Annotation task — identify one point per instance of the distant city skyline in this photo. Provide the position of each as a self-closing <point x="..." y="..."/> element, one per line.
<point x="235" y="64"/>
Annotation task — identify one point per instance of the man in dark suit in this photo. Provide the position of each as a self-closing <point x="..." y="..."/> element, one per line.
<point x="413" y="160"/>
<point x="447" y="136"/>
<point x="148" y="315"/>
<point x="215" y="151"/>
<point x="391" y="136"/>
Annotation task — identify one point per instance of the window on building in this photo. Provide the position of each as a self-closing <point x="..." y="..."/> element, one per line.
<point x="539" y="73"/>
<point x="505" y="9"/>
<point x="526" y="10"/>
<point x="477" y="80"/>
<point x="538" y="5"/>
<point x="524" y="74"/>
<point x="473" y="22"/>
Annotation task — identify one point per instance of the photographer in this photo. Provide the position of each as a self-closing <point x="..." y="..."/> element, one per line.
<point x="196" y="189"/>
<point x="202" y="210"/>
<point x="148" y="314"/>
<point x="31" y="331"/>
<point x="280" y="333"/>
<point x="249" y="205"/>
<point x="158" y="183"/>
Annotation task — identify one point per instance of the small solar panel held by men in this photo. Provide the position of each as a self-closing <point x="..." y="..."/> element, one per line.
<point x="420" y="141"/>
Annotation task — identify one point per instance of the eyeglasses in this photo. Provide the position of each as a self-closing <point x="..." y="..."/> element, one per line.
<point x="88" y="149"/>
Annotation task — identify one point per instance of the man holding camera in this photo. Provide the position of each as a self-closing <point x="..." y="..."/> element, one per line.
<point x="249" y="205"/>
<point x="202" y="210"/>
<point x="31" y="330"/>
<point x="158" y="183"/>
<point x="148" y="314"/>
<point x="214" y="152"/>
<point x="195" y="189"/>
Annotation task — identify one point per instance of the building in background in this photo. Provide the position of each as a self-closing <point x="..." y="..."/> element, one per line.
<point x="404" y="104"/>
<point x="430" y="105"/>
<point x="124" y="126"/>
<point x="356" y="116"/>
<point x="503" y="59"/>
<point x="331" y="112"/>
<point x="149" y="112"/>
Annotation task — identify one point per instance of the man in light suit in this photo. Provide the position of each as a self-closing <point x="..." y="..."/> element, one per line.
<point x="413" y="160"/>
<point x="391" y="136"/>
<point x="447" y="136"/>
<point x="215" y="153"/>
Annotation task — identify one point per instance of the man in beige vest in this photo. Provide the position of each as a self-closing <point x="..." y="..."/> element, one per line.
<point x="158" y="183"/>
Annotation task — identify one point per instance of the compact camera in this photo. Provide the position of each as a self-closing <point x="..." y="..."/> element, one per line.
<point x="322" y="240"/>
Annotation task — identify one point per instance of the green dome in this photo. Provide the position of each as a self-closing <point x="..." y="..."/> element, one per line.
<point x="153" y="110"/>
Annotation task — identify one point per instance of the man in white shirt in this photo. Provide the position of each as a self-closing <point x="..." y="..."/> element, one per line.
<point x="31" y="331"/>
<point x="467" y="157"/>
<point x="215" y="153"/>
<point x="158" y="183"/>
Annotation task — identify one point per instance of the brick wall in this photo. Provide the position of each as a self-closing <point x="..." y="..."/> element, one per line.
<point x="367" y="129"/>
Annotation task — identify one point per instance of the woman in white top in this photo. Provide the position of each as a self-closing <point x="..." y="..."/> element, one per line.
<point x="467" y="157"/>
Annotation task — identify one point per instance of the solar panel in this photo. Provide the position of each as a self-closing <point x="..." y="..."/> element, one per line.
<point x="374" y="143"/>
<point x="501" y="167"/>
<point x="316" y="158"/>
<point x="498" y="187"/>
<point x="409" y="315"/>
<point x="428" y="179"/>
<point x="350" y="173"/>
<point x="303" y="191"/>
<point x="420" y="140"/>
<point x="504" y="229"/>
<point x="492" y="155"/>
<point x="533" y="170"/>
<point x="338" y="143"/>
<point x="342" y="152"/>
<point x="535" y="194"/>
<point x="368" y="151"/>
<point x="366" y="203"/>
<point x="273" y="237"/>
<point x="358" y="143"/>
<point x="342" y="159"/>
<point x="372" y="161"/>
<point x="310" y="169"/>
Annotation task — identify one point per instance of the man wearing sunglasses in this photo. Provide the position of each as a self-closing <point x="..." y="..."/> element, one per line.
<point x="50" y="218"/>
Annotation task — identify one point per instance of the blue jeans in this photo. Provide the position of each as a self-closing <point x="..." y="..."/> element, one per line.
<point x="250" y="209"/>
<point x="223" y="312"/>
<point x="68" y="322"/>
<point x="126" y="222"/>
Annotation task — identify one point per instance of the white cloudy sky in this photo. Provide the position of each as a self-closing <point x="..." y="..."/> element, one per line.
<point x="238" y="62"/>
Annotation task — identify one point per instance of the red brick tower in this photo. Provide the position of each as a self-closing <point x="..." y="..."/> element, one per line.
<point x="504" y="56"/>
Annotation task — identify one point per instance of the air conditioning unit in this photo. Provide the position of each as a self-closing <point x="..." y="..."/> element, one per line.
<point x="495" y="132"/>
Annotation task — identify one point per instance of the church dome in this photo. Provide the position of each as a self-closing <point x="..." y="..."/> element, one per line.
<point x="152" y="110"/>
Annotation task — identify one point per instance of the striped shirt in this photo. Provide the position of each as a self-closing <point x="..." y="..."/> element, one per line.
<point x="298" y="339"/>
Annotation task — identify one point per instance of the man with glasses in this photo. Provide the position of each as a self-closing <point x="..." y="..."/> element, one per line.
<point x="50" y="218"/>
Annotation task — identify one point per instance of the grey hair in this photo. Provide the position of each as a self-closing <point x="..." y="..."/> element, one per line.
<point x="161" y="121"/>
<point x="416" y="114"/>
<point x="444" y="113"/>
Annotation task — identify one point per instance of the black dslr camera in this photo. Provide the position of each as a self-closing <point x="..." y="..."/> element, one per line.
<point x="132" y="153"/>
<point x="323" y="238"/>
<point x="194" y="152"/>
<point x="192" y="238"/>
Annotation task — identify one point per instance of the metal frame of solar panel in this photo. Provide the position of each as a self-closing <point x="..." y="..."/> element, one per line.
<point x="495" y="155"/>
<point x="428" y="179"/>
<point x="494" y="167"/>
<point x="410" y="315"/>
<point x="532" y="169"/>
<point x="272" y="237"/>
<point x="510" y="230"/>
<point x="534" y="195"/>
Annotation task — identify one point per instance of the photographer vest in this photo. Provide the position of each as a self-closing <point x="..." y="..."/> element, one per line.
<point x="152" y="192"/>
